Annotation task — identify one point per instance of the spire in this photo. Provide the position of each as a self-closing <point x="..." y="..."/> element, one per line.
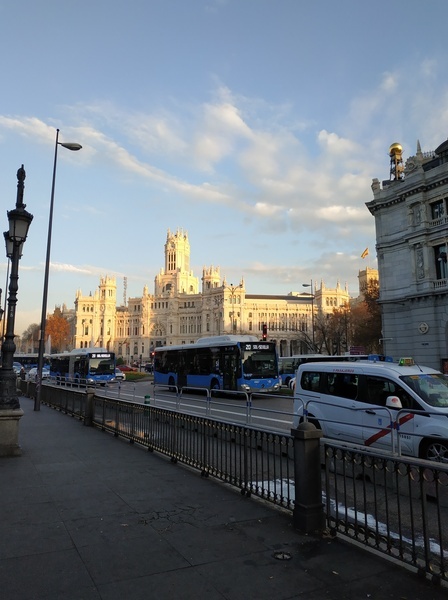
<point x="419" y="150"/>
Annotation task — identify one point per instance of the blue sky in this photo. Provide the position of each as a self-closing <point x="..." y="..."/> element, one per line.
<point x="256" y="126"/>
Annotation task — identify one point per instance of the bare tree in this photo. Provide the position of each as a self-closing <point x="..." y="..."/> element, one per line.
<point x="30" y="338"/>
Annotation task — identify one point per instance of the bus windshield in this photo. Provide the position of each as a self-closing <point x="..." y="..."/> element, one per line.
<point x="101" y="365"/>
<point x="258" y="363"/>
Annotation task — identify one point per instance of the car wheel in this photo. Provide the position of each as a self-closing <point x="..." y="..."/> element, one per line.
<point x="435" y="450"/>
<point x="312" y="419"/>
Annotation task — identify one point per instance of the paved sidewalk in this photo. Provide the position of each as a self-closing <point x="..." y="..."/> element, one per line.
<point x="89" y="516"/>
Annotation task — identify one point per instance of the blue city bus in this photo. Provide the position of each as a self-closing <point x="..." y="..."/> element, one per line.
<point x="223" y="362"/>
<point x="288" y="365"/>
<point x="30" y="359"/>
<point x="83" y="366"/>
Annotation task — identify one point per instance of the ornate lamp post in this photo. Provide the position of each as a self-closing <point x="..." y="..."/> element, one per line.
<point x="40" y="360"/>
<point x="10" y="411"/>
<point x="310" y="285"/>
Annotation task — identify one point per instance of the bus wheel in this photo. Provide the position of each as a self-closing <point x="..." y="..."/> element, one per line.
<point x="214" y="384"/>
<point x="172" y="385"/>
<point x="435" y="450"/>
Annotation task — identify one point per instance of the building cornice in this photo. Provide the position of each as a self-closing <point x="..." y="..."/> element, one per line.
<point x="378" y="204"/>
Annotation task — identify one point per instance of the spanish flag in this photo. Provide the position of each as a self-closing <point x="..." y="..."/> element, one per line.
<point x="365" y="253"/>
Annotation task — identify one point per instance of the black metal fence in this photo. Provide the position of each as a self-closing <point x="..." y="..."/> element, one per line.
<point x="397" y="506"/>
<point x="256" y="462"/>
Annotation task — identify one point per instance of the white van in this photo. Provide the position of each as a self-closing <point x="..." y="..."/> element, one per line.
<point x="372" y="403"/>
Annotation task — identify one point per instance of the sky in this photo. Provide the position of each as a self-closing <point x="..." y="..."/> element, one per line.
<point x="256" y="126"/>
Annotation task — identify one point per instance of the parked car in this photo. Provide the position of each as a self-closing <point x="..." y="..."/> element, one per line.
<point x="32" y="374"/>
<point x="126" y="368"/>
<point x="17" y="367"/>
<point x="119" y="375"/>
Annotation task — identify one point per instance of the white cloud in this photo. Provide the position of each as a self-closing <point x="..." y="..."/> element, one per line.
<point x="336" y="145"/>
<point x="341" y="214"/>
<point x="429" y="68"/>
<point x="267" y="210"/>
<point x="389" y="83"/>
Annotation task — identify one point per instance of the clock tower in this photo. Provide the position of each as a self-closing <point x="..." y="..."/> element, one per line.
<point x="176" y="278"/>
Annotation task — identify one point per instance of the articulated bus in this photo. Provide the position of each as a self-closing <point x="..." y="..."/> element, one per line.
<point x="288" y="365"/>
<point x="30" y="360"/>
<point x="84" y="366"/>
<point x="223" y="362"/>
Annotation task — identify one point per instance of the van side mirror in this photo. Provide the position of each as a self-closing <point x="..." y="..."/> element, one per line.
<point x="393" y="402"/>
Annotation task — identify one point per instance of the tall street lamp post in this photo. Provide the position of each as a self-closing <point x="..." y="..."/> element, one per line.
<point x="310" y="285"/>
<point x="10" y="411"/>
<point x="40" y="360"/>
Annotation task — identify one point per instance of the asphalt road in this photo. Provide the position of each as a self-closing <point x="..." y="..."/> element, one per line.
<point x="273" y="412"/>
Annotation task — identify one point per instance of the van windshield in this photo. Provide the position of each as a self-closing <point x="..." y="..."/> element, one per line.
<point x="432" y="388"/>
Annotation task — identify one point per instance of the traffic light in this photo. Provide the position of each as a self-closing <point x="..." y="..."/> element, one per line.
<point x="265" y="332"/>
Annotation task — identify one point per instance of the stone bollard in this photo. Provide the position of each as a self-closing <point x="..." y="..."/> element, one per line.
<point x="308" y="514"/>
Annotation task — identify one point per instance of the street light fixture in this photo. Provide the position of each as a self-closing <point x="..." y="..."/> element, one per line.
<point x="40" y="362"/>
<point x="10" y="411"/>
<point x="310" y="285"/>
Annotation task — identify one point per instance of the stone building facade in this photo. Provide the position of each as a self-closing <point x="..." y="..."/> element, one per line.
<point x="182" y="309"/>
<point x="411" y="221"/>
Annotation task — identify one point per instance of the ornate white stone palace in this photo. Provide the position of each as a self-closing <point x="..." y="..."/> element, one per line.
<point x="179" y="313"/>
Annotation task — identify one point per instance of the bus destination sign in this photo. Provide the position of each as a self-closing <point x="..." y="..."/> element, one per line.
<point x="256" y="346"/>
